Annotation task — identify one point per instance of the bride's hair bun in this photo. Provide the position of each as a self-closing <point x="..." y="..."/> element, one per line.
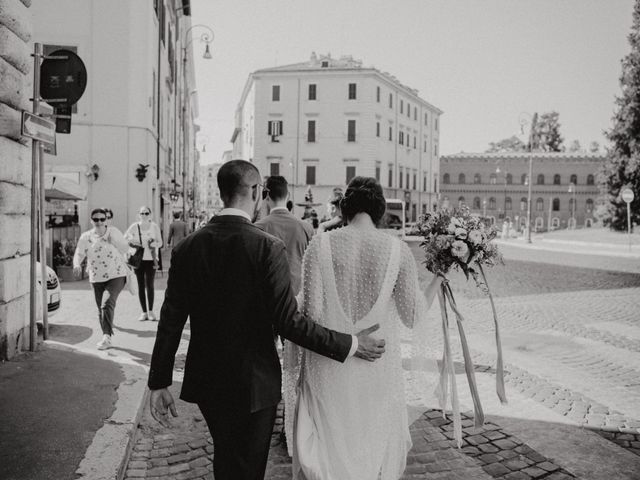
<point x="364" y="194"/>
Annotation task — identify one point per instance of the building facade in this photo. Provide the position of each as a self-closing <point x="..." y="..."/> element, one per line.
<point x="320" y="123"/>
<point x="210" y="201"/>
<point x="15" y="177"/>
<point x="132" y="139"/>
<point x="495" y="185"/>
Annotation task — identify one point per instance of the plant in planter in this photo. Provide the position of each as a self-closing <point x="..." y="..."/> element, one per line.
<point x="63" y="251"/>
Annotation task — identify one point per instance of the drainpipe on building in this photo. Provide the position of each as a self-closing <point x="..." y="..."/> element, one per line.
<point x="395" y="142"/>
<point x="295" y="170"/>
<point x="159" y="83"/>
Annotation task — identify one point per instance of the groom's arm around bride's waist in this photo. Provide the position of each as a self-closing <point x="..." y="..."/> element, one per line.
<point x="301" y="330"/>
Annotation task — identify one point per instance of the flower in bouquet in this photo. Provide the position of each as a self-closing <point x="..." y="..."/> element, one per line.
<point x="459" y="249"/>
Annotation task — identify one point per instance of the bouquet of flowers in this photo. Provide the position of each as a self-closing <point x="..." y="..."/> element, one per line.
<point x="456" y="239"/>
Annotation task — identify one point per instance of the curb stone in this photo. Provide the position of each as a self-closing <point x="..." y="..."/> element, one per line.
<point x="109" y="451"/>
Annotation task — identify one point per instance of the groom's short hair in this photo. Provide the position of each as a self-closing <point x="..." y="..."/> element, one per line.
<point x="277" y="187"/>
<point x="235" y="178"/>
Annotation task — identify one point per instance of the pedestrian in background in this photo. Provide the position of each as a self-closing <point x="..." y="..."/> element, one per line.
<point x="281" y="223"/>
<point x="104" y="249"/>
<point x="177" y="230"/>
<point x="335" y="214"/>
<point x="109" y="222"/>
<point x="146" y="233"/>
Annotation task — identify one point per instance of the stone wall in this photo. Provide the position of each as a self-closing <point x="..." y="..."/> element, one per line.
<point x="15" y="176"/>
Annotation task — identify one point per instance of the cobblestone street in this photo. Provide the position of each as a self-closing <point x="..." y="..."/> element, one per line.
<point x="571" y="339"/>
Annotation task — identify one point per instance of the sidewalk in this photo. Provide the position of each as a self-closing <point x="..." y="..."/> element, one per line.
<point x="68" y="410"/>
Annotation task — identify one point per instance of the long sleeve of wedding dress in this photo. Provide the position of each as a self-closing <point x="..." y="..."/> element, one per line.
<point x="349" y="421"/>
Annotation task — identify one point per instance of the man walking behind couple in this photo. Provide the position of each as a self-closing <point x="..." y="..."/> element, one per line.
<point x="233" y="281"/>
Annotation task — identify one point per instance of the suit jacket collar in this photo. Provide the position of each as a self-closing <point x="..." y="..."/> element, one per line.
<point x="229" y="219"/>
<point x="280" y="212"/>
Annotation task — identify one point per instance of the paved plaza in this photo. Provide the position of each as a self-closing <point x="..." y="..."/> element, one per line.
<point x="571" y="338"/>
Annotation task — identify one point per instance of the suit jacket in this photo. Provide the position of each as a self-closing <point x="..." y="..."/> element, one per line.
<point x="295" y="234"/>
<point x="232" y="280"/>
<point x="177" y="231"/>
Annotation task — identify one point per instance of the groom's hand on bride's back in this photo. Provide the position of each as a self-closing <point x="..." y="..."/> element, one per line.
<point x="369" y="348"/>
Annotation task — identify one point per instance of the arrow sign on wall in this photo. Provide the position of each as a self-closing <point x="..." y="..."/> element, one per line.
<point x="38" y="128"/>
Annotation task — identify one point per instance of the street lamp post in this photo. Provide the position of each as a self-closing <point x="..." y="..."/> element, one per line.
<point x="207" y="38"/>
<point x="572" y="189"/>
<point x="504" y="200"/>
<point x="531" y="145"/>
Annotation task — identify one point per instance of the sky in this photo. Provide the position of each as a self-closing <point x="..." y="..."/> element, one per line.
<point x="485" y="63"/>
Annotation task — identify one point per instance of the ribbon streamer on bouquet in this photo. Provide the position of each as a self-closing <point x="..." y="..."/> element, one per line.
<point x="448" y="374"/>
<point x="500" y="390"/>
<point x="447" y="368"/>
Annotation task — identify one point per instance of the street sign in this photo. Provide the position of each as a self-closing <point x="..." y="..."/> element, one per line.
<point x="63" y="78"/>
<point x="38" y="128"/>
<point x="45" y="110"/>
<point x="627" y="195"/>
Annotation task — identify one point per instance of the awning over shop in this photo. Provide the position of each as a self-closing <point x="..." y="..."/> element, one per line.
<point x="56" y="194"/>
<point x="58" y="187"/>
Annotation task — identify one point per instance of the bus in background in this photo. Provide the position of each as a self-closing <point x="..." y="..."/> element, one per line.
<point x="394" y="220"/>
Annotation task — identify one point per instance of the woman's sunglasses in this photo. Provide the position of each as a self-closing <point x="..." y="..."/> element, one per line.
<point x="99" y="219"/>
<point x="144" y="213"/>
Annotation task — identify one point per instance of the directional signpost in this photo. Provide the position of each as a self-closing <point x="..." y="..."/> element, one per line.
<point x="38" y="128"/>
<point x="628" y="196"/>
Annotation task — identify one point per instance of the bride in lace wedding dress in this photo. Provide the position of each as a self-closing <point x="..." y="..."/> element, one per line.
<point x="349" y="421"/>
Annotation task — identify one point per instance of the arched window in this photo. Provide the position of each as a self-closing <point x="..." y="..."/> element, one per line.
<point x="541" y="179"/>
<point x="523" y="179"/>
<point x="460" y="201"/>
<point x="589" y="205"/>
<point x="493" y="179"/>
<point x="462" y="179"/>
<point x="539" y="205"/>
<point x="476" y="203"/>
<point x="556" y="179"/>
<point x="523" y="204"/>
<point x="445" y="179"/>
<point x="509" y="178"/>
<point x="573" y="179"/>
<point x="590" y="179"/>
<point x="492" y="203"/>
<point x="555" y="206"/>
<point x="507" y="203"/>
<point x="477" y="178"/>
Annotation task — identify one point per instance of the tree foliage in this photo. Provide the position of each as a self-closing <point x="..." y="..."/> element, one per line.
<point x="511" y="144"/>
<point x="622" y="167"/>
<point x="548" y="132"/>
<point x="575" y="146"/>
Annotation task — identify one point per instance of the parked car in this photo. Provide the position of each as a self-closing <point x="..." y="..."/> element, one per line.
<point x="394" y="220"/>
<point x="54" y="294"/>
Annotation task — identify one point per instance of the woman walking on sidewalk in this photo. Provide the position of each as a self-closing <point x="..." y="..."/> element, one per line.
<point x="146" y="233"/>
<point x="103" y="247"/>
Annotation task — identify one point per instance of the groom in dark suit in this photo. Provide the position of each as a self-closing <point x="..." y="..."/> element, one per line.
<point x="232" y="280"/>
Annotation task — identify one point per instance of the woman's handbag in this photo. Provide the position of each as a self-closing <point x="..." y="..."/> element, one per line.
<point x="132" y="282"/>
<point x="135" y="259"/>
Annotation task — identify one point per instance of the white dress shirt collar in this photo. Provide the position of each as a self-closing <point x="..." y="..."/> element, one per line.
<point x="235" y="211"/>
<point x="279" y="209"/>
